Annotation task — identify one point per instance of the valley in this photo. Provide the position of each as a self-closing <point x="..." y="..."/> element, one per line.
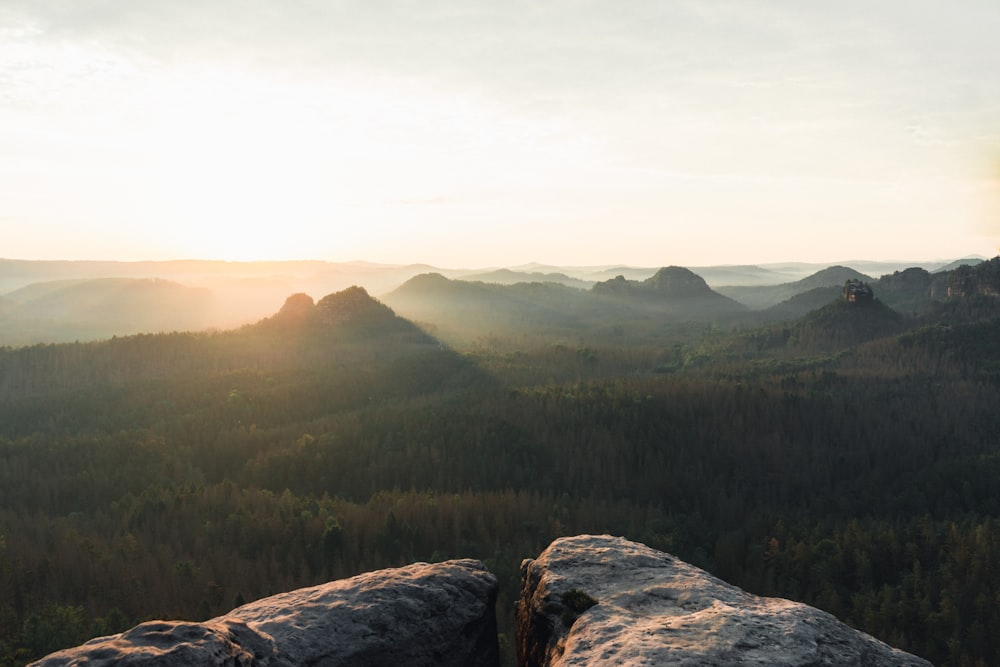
<point x="790" y="441"/>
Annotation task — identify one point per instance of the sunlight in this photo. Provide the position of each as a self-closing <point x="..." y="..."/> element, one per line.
<point x="239" y="163"/>
<point x="243" y="168"/>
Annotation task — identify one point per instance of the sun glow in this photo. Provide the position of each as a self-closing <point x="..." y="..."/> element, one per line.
<point x="242" y="170"/>
<point x="461" y="139"/>
<point x="234" y="167"/>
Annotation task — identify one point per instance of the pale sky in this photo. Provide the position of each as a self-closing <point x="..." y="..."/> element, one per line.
<point x="486" y="133"/>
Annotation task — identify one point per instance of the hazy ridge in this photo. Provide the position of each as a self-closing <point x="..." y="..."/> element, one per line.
<point x="62" y="301"/>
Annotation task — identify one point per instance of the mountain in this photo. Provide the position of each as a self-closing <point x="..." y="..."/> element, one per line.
<point x="509" y="277"/>
<point x="912" y="289"/>
<point x="764" y="296"/>
<point x="982" y="279"/>
<point x="741" y="275"/>
<point x="67" y="310"/>
<point x="67" y="301"/>
<point x="349" y="310"/>
<point x="841" y="324"/>
<point x="178" y="475"/>
<point x="345" y="329"/>
<point x="461" y="311"/>
<point x="801" y="304"/>
<point x="676" y="291"/>
<point x="676" y="283"/>
<point x="951" y="266"/>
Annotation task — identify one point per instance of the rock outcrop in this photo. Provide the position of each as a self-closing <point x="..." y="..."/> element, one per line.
<point x="982" y="279"/>
<point x="586" y="600"/>
<point x="601" y="600"/>
<point x="434" y="615"/>
<point x="353" y="306"/>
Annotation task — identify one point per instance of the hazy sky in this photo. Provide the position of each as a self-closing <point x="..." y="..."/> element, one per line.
<point x="478" y="132"/>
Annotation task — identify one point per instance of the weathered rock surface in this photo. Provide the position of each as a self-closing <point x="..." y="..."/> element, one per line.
<point x="654" y="609"/>
<point x="982" y="279"/>
<point x="438" y="614"/>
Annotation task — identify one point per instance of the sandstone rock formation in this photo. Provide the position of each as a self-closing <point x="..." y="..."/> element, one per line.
<point x="586" y="600"/>
<point x="601" y="600"/>
<point x="982" y="279"/>
<point x="353" y="306"/>
<point x="440" y="614"/>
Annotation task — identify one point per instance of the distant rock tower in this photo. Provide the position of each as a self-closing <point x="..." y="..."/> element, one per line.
<point x="857" y="292"/>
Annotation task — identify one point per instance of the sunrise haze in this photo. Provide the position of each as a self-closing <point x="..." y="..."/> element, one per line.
<point x="488" y="134"/>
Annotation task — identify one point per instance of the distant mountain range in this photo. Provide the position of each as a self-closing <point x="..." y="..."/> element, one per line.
<point x="66" y="301"/>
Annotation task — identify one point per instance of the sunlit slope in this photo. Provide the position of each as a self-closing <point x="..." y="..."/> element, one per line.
<point x="72" y="310"/>
<point x="310" y="342"/>
<point x="464" y="310"/>
<point x="461" y="311"/>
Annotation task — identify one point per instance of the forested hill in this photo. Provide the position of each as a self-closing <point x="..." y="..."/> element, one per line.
<point x="679" y="292"/>
<point x="344" y="330"/>
<point x="847" y="459"/>
<point x="768" y="296"/>
<point x="462" y="311"/>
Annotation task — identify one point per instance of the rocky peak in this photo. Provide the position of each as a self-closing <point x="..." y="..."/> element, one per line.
<point x="297" y="310"/>
<point x="858" y="293"/>
<point x="983" y="279"/>
<point x="297" y="306"/>
<point x="350" y="309"/>
<point x="352" y="306"/>
<point x="911" y="278"/>
<point x="669" y="284"/>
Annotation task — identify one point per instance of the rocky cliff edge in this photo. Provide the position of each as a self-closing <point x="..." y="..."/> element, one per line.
<point x="440" y="614"/>
<point x="600" y="600"/>
<point x="586" y="600"/>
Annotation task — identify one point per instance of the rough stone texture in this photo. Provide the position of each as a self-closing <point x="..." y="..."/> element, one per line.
<point x="654" y="609"/>
<point x="439" y="614"/>
<point x="983" y="279"/>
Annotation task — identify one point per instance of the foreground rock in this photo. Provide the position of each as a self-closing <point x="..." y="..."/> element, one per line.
<point x="601" y="600"/>
<point x="440" y="614"/>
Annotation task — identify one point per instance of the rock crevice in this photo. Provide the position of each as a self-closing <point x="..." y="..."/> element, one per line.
<point x="587" y="600"/>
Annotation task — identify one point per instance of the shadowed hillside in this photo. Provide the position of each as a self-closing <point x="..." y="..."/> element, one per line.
<point x="766" y="296"/>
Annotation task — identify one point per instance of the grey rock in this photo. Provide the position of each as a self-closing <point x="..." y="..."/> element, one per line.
<point x="650" y="608"/>
<point x="422" y="614"/>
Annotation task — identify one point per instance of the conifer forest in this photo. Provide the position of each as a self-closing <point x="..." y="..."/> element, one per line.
<point x="847" y="456"/>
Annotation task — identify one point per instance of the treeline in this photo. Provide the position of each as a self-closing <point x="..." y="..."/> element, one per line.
<point x="197" y="472"/>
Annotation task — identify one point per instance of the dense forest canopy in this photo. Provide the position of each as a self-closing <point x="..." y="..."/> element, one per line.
<point x="846" y="457"/>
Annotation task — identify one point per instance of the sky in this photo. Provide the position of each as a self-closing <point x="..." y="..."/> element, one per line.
<point x="484" y="133"/>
